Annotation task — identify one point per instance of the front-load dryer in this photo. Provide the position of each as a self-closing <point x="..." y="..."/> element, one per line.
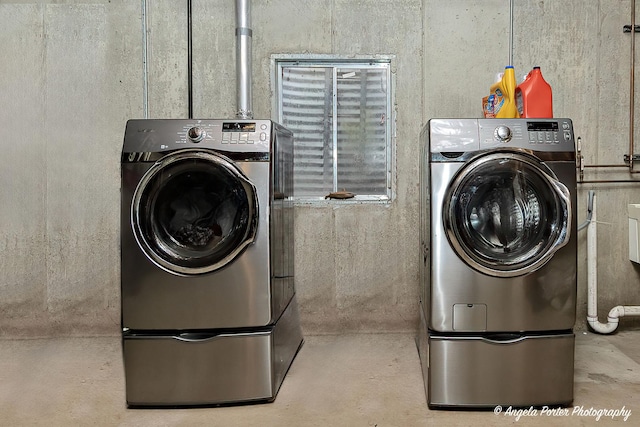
<point x="209" y="313"/>
<point x="498" y="277"/>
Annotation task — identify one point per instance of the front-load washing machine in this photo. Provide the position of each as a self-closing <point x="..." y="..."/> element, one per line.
<point x="498" y="271"/>
<point x="209" y="314"/>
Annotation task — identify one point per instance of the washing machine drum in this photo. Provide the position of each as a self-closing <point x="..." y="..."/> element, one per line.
<point x="193" y="212"/>
<point x="505" y="214"/>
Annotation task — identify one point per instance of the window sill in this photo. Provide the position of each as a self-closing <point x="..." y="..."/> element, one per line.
<point x="357" y="200"/>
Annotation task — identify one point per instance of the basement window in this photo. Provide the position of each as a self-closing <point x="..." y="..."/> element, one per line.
<point x="340" y="112"/>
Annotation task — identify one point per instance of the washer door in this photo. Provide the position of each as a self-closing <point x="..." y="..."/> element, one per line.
<point x="193" y="212"/>
<point x="505" y="214"/>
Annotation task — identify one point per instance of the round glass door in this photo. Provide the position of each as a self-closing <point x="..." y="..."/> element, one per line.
<point x="505" y="214"/>
<point x="193" y="212"/>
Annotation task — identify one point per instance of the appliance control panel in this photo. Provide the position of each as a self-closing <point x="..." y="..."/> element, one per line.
<point x="535" y="134"/>
<point x="224" y="132"/>
<point x="467" y="135"/>
<point x="549" y="132"/>
<point x="157" y="135"/>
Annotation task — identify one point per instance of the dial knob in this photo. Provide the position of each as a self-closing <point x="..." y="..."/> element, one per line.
<point x="503" y="134"/>
<point x="196" y="134"/>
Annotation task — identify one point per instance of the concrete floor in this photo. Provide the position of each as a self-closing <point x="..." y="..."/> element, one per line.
<point x="341" y="380"/>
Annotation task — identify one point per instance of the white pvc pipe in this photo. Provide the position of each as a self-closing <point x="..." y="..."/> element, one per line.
<point x="592" y="285"/>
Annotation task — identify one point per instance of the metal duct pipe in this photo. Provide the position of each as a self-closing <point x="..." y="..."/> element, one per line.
<point x="244" y="36"/>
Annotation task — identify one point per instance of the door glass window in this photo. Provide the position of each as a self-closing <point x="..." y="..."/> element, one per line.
<point x="193" y="215"/>
<point x="505" y="214"/>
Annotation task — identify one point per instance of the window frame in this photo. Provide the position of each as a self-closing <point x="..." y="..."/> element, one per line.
<point x="280" y="61"/>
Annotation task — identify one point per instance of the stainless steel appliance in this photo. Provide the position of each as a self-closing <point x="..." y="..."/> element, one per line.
<point x="498" y="277"/>
<point x="209" y="314"/>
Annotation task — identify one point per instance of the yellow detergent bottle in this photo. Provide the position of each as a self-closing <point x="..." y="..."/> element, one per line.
<point x="504" y="92"/>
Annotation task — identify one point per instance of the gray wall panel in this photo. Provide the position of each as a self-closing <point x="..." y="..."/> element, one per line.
<point x="22" y="195"/>
<point x="75" y="72"/>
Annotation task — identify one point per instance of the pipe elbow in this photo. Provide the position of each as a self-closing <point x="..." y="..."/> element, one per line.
<point x="615" y="313"/>
<point x="602" y="328"/>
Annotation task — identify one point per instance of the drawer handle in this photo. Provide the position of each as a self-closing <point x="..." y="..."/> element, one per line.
<point x="504" y="338"/>
<point x="191" y="337"/>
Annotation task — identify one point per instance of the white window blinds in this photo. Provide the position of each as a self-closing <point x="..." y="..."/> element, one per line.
<point x="339" y="114"/>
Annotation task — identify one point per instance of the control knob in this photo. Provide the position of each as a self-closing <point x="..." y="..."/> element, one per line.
<point x="196" y="134"/>
<point x="503" y="133"/>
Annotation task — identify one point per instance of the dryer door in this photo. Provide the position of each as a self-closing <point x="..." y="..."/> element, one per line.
<point x="506" y="213"/>
<point x="193" y="212"/>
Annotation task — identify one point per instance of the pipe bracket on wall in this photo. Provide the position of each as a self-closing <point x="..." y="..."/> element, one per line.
<point x="627" y="29"/>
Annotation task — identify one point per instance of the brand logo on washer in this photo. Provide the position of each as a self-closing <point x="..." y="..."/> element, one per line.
<point x="144" y="156"/>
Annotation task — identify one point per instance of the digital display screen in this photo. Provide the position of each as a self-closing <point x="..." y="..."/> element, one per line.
<point x="238" y="127"/>
<point x="542" y="126"/>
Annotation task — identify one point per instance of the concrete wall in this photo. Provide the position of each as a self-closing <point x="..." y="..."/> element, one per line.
<point x="69" y="78"/>
<point x="72" y="74"/>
